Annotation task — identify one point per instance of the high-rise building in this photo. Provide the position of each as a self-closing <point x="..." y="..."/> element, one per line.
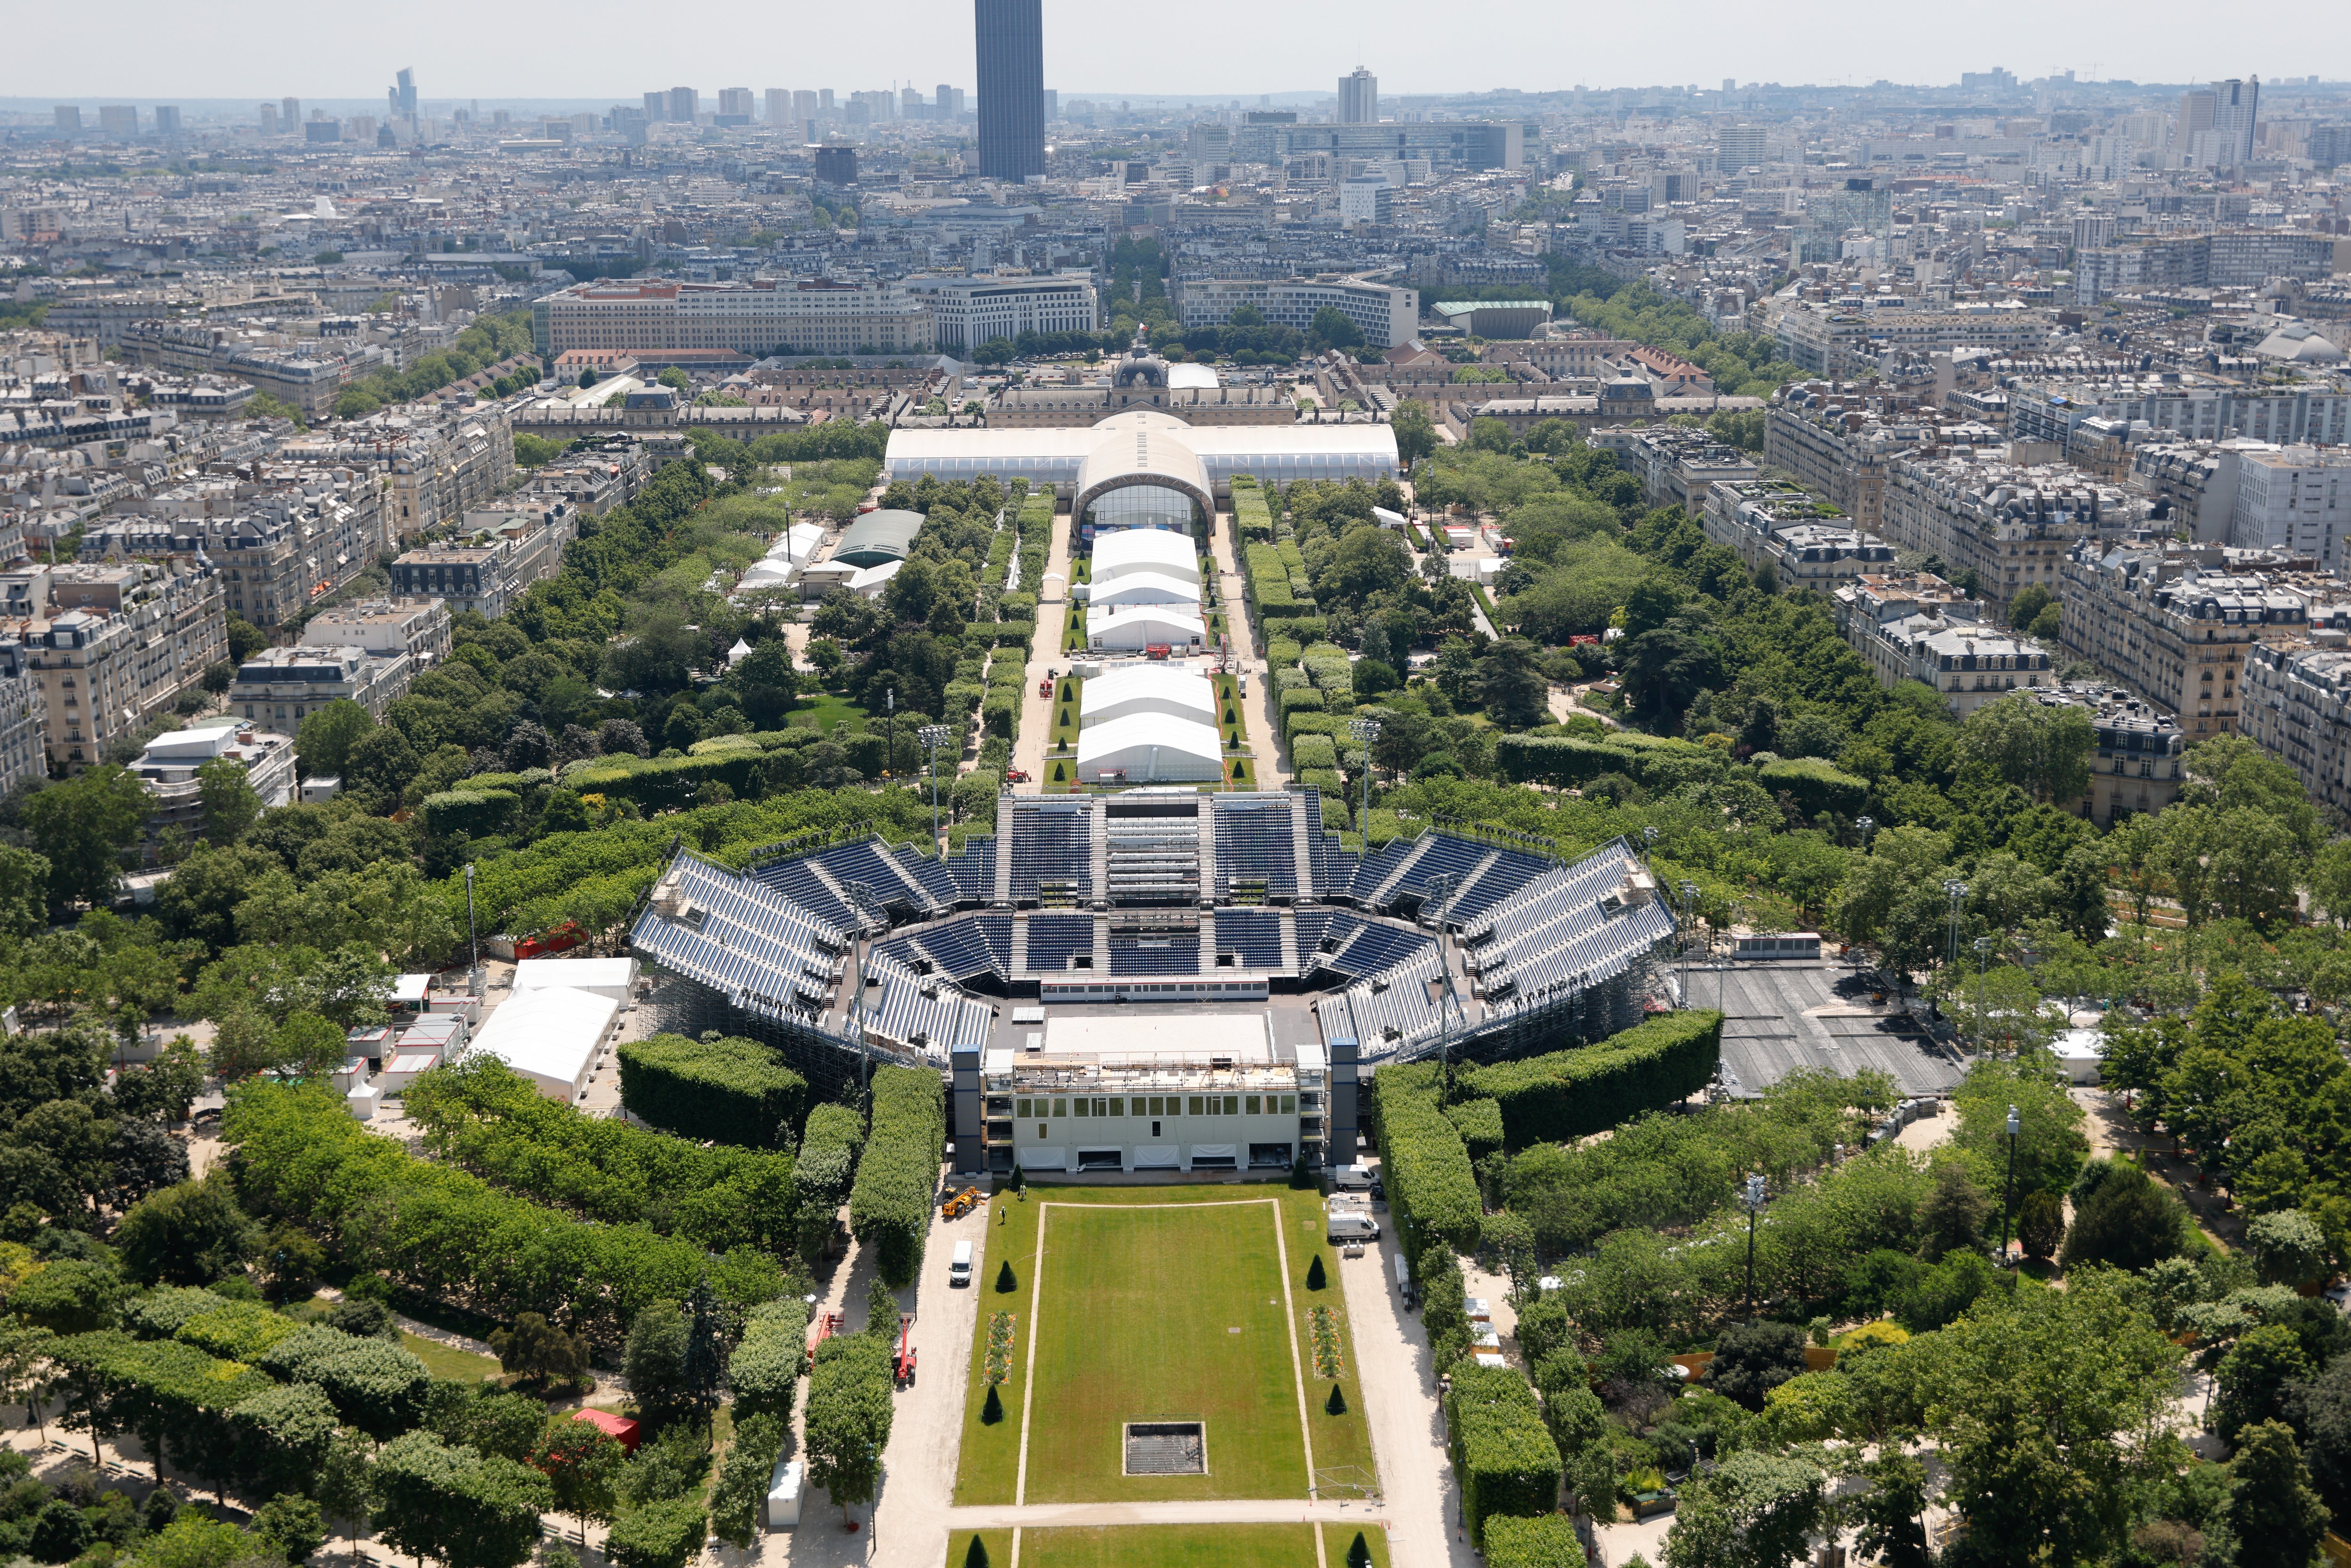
<point x="70" y="119"/>
<point x="2197" y="105"/>
<point x="1359" y="98"/>
<point x="118" y="121"/>
<point x="289" y="114"/>
<point x="402" y="96"/>
<point x="824" y="104"/>
<point x="779" y="105"/>
<point x="2238" y="102"/>
<point x="805" y="105"/>
<point x="945" y="102"/>
<point x="1012" y="41"/>
<point x="656" y="106"/>
<point x="683" y="105"/>
<point x="167" y="120"/>
<point x="1052" y="104"/>
<point x="269" y="120"/>
<point x="734" y="106"/>
<point x="1738" y="147"/>
<point x="836" y="164"/>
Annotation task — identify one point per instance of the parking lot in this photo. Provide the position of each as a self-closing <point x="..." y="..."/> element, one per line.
<point x="1781" y="1017"/>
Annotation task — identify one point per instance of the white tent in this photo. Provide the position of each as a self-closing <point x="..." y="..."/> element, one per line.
<point x="1150" y="748"/>
<point x="1146" y="688"/>
<point x="798" y="544"/>
<point x="550" y="1036"/>
<point x="610" y="978"/>
<point x="1134" y="627"/>
<point x="871" y="580"/>
<point x="1156" y="551"/>
<point x="1145" y="588"/>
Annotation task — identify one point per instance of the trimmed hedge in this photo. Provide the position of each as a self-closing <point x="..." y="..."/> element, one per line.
<point x="1313" y="751"/>
<point x="1430" y="1185"/>
<point x="1815" y="785"/>
<point x="475" y="813"/>
<point x="661" y="783"/>
<point x="1328" y="780"/>
<point x="1574" y="1093"/>
<point x="237" y="1330"/>
<point x="765" y="1370"/>
<point x="375" y="1386"/>
<point x="162" y="1312"/>
<point x="1251" y="516"/>
<point x="1503" y="1452"/>
<point x="1480" y="1123"/>
<point x="1567" y="761"/>
<point x="1545" y="1541"/>
<point x="890" y="1207"/>
<point x="1304" y="699"/>
<point x="175" y="1399"/>
<point x="730" y="1090"/>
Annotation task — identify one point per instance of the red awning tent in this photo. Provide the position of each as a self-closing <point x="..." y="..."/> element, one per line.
<point x="619" y="1428"/>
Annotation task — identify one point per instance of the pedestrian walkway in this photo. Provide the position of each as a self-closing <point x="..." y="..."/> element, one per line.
<point x="1270" y="760"/>
<point x="1044" y="653"/>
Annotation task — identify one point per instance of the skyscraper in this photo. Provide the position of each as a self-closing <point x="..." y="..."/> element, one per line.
<point x="656" y="106"/>
<point x="682" y="104"/>
<point x="779" y="105"/>
<point x="2232" y="120"/>
<point x="1359" y="99"/>
<point x="1011" y="38"/>
<point x="2196" y="109"/>
<point x="290" y="115"/>
<point x="269" y="120"/>
<point x="403" y="96"/>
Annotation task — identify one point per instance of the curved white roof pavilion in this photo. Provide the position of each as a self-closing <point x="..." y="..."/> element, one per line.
<point x="1150" y="748"/>
<point x="1054" y="455"/>
<point x="1156" y="551"/>
<point x="1146" y="688"/>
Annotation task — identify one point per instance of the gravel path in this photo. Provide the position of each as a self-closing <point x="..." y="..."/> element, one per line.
<point x="1257" y="718"/>
<point x="1044" y="653"/>
<point x="1421" y="1503"/>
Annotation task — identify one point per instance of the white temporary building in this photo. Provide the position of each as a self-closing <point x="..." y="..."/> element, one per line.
<point x="769" y="572"/>
<point x="1152" y="552"/>
<point x="1156" y="688"/>
<point x="1134" y="627"/>
<point x="871" y="580"/>
<point x="797" y="544"/>
<point x="613" y="978"/>
<point x="1145" y="588"/>
<point x="1150" y="748"/>
<point x="550" y="1036"/>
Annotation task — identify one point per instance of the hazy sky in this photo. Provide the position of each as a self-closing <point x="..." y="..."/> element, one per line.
<point x="602" y="49"/>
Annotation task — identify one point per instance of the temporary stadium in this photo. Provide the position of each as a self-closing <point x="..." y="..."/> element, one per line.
<point x="1293" y="955"/>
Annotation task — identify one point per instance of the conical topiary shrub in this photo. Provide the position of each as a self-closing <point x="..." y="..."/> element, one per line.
<point x="1061" y="774"/>
<point x="1005" y="1283"/>
<point x="1315" y="1279"/>
<point x="1336" y="1404"/>
<point x="1065" y="717"/>
<point x="993" y="1411"/>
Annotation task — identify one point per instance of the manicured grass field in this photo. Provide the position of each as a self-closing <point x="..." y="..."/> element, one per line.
<point x="1142" y="1289"/>
<point x="821" y="710"/>
<point x="1171" y="1546"/>
<point x="1066" y="692"/>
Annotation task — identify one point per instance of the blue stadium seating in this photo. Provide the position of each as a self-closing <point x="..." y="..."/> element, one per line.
<point x="1254" y="934"/>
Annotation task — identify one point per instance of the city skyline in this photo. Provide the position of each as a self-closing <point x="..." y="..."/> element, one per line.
<point x="160" y="51"/>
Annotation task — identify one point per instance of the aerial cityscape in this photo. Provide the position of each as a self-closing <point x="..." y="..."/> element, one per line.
<point x="1257" y="818"/>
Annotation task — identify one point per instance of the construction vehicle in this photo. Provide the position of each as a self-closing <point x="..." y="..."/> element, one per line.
<point x="903" y="1369"/>
<point x="961" y="1203"/>
<point x="826" y="1325"/>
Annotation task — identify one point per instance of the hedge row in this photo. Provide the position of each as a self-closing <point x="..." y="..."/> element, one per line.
<point x="890" y="1207"/>
<point x="449" y="1235"/>
<point x="1430" y="1185"/>
<point x="1574" y="1093"/>
<point x="1480" y="1123"/>
<point x="374" y="1383"/>
<point x="730" y="1090"/>
<point x="1815" y="785"/>
<point x="472" y="811"/>
<point x="664" y="1534"/>
<point x="765" y="1370"/>
<point x="1545" y="1541"/>
<point x="1251" y="516"/>
<point x="1567" y="761"/>
<point x="1313" y="751"/>
<point x="1267" y="579"/>
<point x="1503" y="1452"/>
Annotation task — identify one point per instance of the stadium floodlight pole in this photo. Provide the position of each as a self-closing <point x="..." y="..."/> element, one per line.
<point x="860" y="897"/>
<point x="1752" y="1200"/>
<point x="1364" y="732"/>
<point x="1868" y="827"/>
<point x="1689" y="906"/>
<point x="1983" y="958"/>
<point x="2008" y="1202"/>
<point x="1648" y="847"/>
<point x="890" y="729"/>
<point x="1440" y="889"/>
<point x="932" y="736"/>
<point x="473" y="932"/>
<point x="1957" y="892"/>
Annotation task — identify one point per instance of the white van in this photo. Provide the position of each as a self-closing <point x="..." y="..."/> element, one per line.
<point x="1351" y="1178"/>
<point x="959" y="1267"/>
<point x="1346" y="1224"/>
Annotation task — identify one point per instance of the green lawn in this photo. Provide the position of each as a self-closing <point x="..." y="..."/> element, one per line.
<point x="1170" y="1546"/>
<point x="1067" y="695"/>
<point x="821" y="710"/>
<point x="1142" y="1286"/>
<point x="441" y="1361"/>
